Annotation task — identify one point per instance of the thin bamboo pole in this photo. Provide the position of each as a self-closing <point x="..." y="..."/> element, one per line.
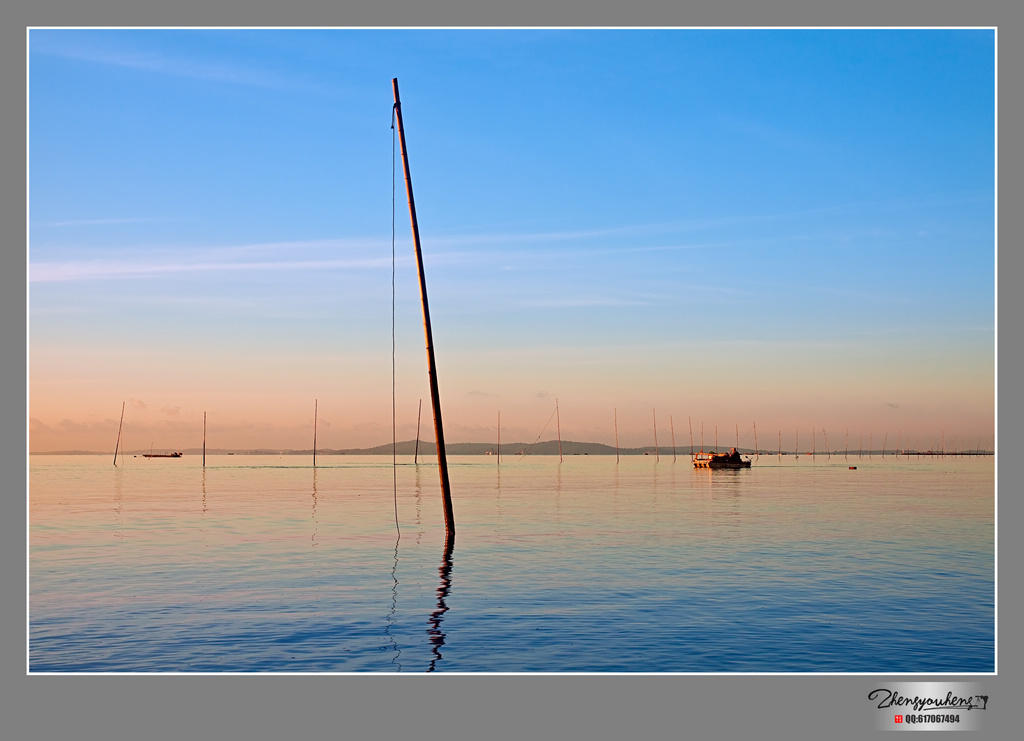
<point x="117" y="445"/>
<point x="657" y="455"/>
<point x="416" y="450"/>
<point x="558" y="425"/>
<point x="315" y="404"/>
<point x="616" y="435"/>
<point x="435" y="396"/>
<point x="204" y="441"/>
<point x="672" y="427"/>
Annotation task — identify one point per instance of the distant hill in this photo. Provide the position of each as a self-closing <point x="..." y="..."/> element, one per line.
<point x="408" y="448"/>
<point x="426" y="448"/>
<point x="548" y="447"/>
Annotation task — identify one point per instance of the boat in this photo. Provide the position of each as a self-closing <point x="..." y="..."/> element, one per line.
<point x="161" y="455"/>
<point x="716" y="461"/>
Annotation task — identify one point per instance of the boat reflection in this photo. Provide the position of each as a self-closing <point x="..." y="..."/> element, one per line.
<point x="437" y="636"/>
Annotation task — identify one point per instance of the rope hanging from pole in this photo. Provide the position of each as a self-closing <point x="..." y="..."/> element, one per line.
<point x="394" y="423"/>
<point x="527" y="451"/>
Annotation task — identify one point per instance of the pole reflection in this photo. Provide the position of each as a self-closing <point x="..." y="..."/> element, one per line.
<point x="119" y="504"/>
<point x="419" y="507"/>
<point x="313" y="517"/>
<point x="394" y="609"/>
<point x="437" y="636"/>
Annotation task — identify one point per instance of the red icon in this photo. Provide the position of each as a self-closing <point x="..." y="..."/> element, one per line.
<point x="899" y="718"/>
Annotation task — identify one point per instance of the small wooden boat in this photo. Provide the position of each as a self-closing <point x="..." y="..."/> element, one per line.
<point x="161" y="455"/>
<point x="714" y="460"/>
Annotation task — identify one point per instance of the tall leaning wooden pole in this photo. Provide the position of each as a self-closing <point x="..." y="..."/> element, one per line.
<point x="435" y="398"/>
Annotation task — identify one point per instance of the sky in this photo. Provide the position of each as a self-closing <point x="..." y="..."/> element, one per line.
<point x="765" y="234"/>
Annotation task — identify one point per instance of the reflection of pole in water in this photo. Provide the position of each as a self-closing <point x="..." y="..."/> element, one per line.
<point x="316" y="522"/>
<point x="118" y="504"/>
<point x="498" y="499"/>
<point x="437" y="635"/>
<point x="394" y="608"/>
<point x="419" y="506"/>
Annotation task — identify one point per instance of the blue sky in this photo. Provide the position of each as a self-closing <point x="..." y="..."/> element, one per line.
<point x="789" y="227"/>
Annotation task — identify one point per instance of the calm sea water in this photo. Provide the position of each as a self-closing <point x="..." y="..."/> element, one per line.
<point x="265" y="564"/>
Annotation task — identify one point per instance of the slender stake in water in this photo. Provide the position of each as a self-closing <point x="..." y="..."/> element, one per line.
<point x="657" y="455"/>
<point x="673" y="429"/>
<point x="118" y="444"/>
<point x="435" y="396"/>
<point x="558" y="425"/>
<point x="616" y="435"/>
<point x="416" y="451"/>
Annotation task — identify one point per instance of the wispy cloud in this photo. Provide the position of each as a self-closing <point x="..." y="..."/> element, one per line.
<point x="254" y="257"/>
<point x="214" y="70"/>
<point x="99" y="222"/>
<point x="582" y="302"/>
<point x="49" y="272"/>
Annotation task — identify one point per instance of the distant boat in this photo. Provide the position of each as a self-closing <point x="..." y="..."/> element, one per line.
<point x="161" y="455"/>
<point x="731" y="459"/>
